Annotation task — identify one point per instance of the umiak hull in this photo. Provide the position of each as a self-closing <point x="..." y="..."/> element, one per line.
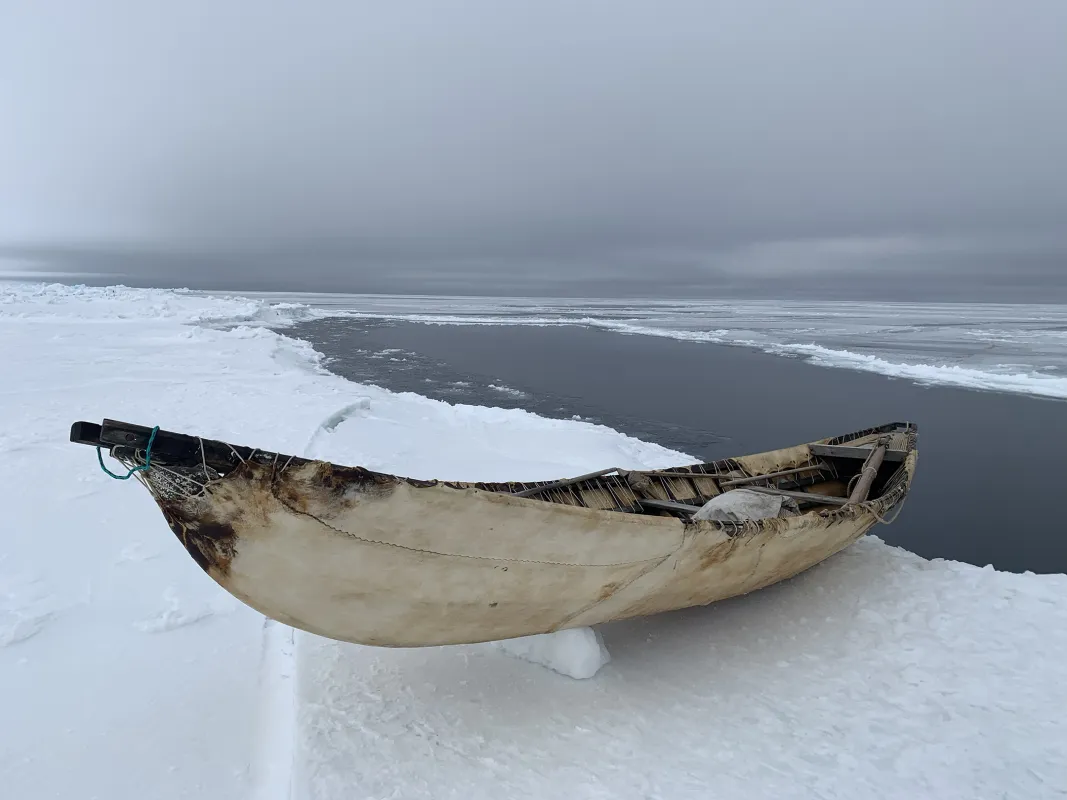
<point x="366" y="557"/>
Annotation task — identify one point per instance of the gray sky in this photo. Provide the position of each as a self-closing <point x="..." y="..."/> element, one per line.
<point x="914" y="146"/>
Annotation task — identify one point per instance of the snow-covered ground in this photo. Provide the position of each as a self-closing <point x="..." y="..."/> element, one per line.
<point x="126" y="673"/>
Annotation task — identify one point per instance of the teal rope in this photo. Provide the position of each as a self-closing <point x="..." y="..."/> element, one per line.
<point x="147" y="459"/>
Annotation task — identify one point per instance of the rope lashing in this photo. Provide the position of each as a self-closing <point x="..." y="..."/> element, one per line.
<point x="143" y="467"/>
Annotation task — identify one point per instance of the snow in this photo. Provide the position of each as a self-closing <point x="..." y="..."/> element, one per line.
<point x="577" y="653"/>
<point x="877" y="674"/>
<point x="125" y="672"/>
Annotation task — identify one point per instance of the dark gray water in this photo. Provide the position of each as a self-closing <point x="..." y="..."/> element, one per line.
<point x="990" y="479"/>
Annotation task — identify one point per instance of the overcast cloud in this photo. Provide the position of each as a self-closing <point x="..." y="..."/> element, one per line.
<point x="914" y="146"/>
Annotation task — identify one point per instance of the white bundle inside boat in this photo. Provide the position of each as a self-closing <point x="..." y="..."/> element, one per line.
<point x="740" y="505"/>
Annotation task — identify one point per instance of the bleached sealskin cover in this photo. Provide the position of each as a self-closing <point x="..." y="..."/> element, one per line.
<point x="377" y="559"/>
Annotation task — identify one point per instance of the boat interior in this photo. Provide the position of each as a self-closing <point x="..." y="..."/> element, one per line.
<point x="824" y="476"/>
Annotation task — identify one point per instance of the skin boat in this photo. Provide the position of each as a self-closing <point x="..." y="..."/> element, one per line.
<point x="378" y="559"/>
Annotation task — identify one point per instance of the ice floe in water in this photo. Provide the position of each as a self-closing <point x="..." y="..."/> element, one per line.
<point x="516" y="393"/>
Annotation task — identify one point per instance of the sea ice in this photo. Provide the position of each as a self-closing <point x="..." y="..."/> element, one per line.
<point x="877" y="673"/>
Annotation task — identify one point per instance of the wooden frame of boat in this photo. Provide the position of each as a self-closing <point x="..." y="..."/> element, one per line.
<point x="367" y="557"/>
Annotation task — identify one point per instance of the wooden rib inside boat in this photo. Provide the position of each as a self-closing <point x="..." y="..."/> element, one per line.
<point x="378" y="559"/>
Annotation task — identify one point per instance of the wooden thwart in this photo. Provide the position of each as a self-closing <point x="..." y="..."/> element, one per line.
<point x="670" y="505"/>
<point x="566" y="482"/>
<point x="601" y="473"/>
<point x="651" y="473"/>
<point x="781" y="474"/>
<point x="809" y="496"/>
<point x="843" y="451"/>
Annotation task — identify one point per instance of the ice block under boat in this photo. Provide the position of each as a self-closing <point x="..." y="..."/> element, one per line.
<point x="379" y="559"/>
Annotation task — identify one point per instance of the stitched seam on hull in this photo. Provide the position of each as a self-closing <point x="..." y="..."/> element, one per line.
<point x="464" y="555"/>
<point x="755" y="567"/>
<point x="626" y="585"/>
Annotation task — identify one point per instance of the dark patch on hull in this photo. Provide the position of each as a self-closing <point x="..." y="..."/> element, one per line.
<point x="212" y="545"/>
<point x="341" y="480"/>
<point x="720" y="553"/>
<point x="319" y="488"/>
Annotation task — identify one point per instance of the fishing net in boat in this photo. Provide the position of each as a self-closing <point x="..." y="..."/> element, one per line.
<point x="175" y="481"/>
